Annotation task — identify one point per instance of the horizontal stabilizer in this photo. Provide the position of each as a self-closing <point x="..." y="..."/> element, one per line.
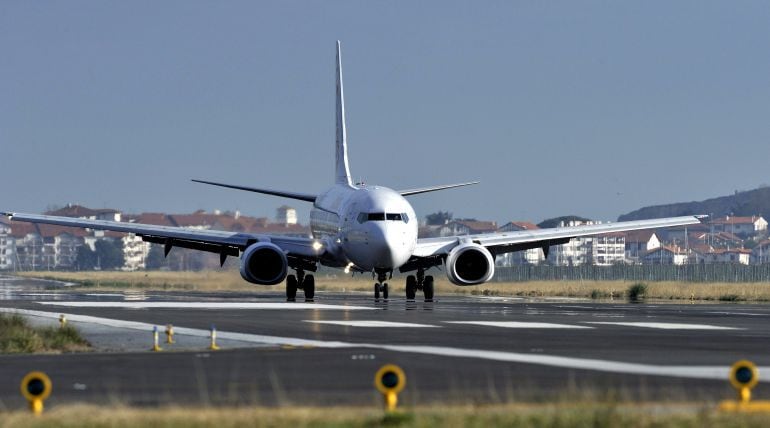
<point x="409" y="192"/>
<point x="290" y="195"/>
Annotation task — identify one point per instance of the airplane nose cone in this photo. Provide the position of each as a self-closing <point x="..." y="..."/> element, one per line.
<point x="383" y="246"/>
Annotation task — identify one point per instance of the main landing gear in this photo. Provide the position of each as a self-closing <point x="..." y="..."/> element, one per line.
<point x="381" y="286"/>
<point x="419" y="282"/>
<point x="303" y="282"/>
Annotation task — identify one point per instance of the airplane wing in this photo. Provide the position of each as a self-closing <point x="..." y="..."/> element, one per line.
<point x="215" y="241"/>
<point x="505" y="242"/>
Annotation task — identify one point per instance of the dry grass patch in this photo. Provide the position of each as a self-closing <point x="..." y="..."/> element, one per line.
<point x="17" y="336"/>
<point x="511" y="415"/>
<point x="230" y="280"/>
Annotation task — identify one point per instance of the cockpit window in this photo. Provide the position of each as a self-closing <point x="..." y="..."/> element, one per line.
<point x="364" y="217"/>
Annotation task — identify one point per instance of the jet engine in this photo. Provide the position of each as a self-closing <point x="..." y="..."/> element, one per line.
<point x="470" y="264"/>
<point x="264" y="263"/>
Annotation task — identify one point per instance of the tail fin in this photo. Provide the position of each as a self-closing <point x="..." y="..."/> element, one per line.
<point x="342" y="169"/>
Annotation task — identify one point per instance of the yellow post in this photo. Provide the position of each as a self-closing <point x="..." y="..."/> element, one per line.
<point x="169" y="333"/>
<point x="155" y="346"/>
<point x="36" y="387"/>
<point x="612" y="295"/>
<point x="213" y="346"/>
<point x="390" y="380"/>
<point x="62" y="321"/>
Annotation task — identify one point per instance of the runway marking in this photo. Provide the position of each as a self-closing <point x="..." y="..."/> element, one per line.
<point x="666" y="326"/>
<point x="748" y="314"/>
<point x="689" y="371"/>
<point x="377" y="324"/>
<point x="204" y="305"/>
<point x="519" y="324"/>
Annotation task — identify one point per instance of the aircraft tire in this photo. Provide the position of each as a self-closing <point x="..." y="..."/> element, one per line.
<point x="291" y="288"/>
<point x="309" y="287"/>
<point x="427" y="288"/>
<point x="376" y="291"/>
<point x="385" y="291"/>
<point x="411" y="287"/>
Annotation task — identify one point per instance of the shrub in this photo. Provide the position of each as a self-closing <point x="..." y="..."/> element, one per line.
<point x="637" y="291"/>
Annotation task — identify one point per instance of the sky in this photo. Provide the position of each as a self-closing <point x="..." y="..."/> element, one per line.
<point x="592" y="108"/>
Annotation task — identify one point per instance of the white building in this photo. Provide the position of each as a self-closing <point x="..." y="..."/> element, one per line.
<point x="639" y="243"/>
<point x="665" y="256"/>
<point x="741" y="226"/>
<point x="286" y="215"/>
<point x="609" y="249"/>
<point x="7" y="247"/>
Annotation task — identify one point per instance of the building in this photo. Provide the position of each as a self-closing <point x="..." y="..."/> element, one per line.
<point x="639" y="243"/>
<point x="467" y="227"/>
<point x="533" y="256"/>
<point x="7" y="247"/>
<point x="665" y="255"/>
<point x="707" y="255"/>
<point x="286" y="215"/>
<point x="761" y="253"/>
<point x="741" y="226"/>
<point x="609" y="249"/>
<point x="78" y="211"/>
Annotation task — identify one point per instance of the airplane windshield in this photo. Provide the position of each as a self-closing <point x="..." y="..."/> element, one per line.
<point x="364" y="217"/>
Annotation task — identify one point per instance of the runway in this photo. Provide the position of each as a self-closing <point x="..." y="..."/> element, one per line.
<point x="456" y="349"/>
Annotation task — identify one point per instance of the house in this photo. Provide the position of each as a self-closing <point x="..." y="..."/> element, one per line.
<point x="761" y="253"/>
<point x="45" y="246"/>
<point x="665" y="255"/>
<point x="741" y="226"/>
<point x="467" y="227"/>
<point x="578" y="251"/>
<point x="707" y="255"/>
<point x="532" y="256"/>
<point x="78" y="211"/>
<point x="640" y="242"/>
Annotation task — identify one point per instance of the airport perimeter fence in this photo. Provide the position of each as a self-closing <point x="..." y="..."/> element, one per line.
<point x="686" y="273"/>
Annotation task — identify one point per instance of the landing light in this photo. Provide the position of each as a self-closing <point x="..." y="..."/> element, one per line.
<point x="317" y="246"/>
<point x="347" y="268"/>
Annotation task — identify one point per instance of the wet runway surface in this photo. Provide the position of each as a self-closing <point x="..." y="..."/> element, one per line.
<point x="456" y="349"/>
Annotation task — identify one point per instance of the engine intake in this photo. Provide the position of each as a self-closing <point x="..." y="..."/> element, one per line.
<point x="470" y="264"/>
<point x="264" y="263"/>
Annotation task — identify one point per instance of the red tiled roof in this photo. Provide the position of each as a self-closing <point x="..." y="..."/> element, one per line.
<point x="735" y="220"/>
<point x="524" y="225"/>
<point x="639" y="235"/>
<point x="80" y="211"/>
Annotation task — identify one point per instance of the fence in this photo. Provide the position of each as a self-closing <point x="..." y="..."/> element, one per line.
<point x="685" y="273"/>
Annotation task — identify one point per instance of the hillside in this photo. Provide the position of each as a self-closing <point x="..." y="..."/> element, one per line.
<point x="752" y="202"/>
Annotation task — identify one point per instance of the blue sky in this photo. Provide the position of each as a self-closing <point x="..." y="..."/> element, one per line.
<point x="575" y="107"/>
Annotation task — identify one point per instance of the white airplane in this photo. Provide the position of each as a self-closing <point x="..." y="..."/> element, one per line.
<point x="359" y="228"/>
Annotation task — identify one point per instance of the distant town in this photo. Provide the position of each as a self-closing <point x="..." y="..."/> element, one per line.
<point x="34" y="247"/>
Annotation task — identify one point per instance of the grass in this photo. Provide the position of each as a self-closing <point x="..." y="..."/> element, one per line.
<point x="230" y="281"/>
<point x="17" y="336"/>
<point x="510" y="415"/>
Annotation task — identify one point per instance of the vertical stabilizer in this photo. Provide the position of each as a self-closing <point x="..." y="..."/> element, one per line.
<point x="342" y="170"/>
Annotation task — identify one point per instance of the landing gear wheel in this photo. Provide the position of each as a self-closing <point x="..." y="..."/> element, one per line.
<point x="291" y="288"/>
<point x="309" y="287"/>
<point x="411" y="287"/>
<point x="427" y="288"/>
<point x="385" y="291"/>
<point x="377" y="291"/>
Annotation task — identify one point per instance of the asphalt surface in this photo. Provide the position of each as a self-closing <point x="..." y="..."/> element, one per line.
<point x="456" y="349"/>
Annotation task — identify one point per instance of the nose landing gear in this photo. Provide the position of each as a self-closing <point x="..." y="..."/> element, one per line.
<point x="304" y="282"/>
<point x="419" y="282"/>
<point x="381" y="286"/>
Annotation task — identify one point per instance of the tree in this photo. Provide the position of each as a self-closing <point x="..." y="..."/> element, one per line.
<point x="155" y="258"/>
<point x="109" y="253"/>
<point x="438" y="218"/>
<point x="85" y="258"/>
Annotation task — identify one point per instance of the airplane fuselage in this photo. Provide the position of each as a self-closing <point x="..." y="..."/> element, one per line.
<point x="372" y="227"/>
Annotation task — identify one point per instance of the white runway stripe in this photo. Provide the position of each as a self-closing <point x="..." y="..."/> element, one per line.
<point x="371" y="324"/>
<point x="518" y="324"/>
<point x="697" y="372"/>
<point x="666" y="326"/>
<point x="204" y="305"/>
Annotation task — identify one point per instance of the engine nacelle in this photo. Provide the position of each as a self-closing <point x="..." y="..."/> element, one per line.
<point x="264" y="263"/>
<point x="470" y="264"/>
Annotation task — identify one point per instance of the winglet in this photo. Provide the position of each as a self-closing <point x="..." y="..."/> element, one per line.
<point x="342" y="169"/>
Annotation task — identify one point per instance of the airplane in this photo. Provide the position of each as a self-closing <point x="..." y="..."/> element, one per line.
<point x="358" y="228"/>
